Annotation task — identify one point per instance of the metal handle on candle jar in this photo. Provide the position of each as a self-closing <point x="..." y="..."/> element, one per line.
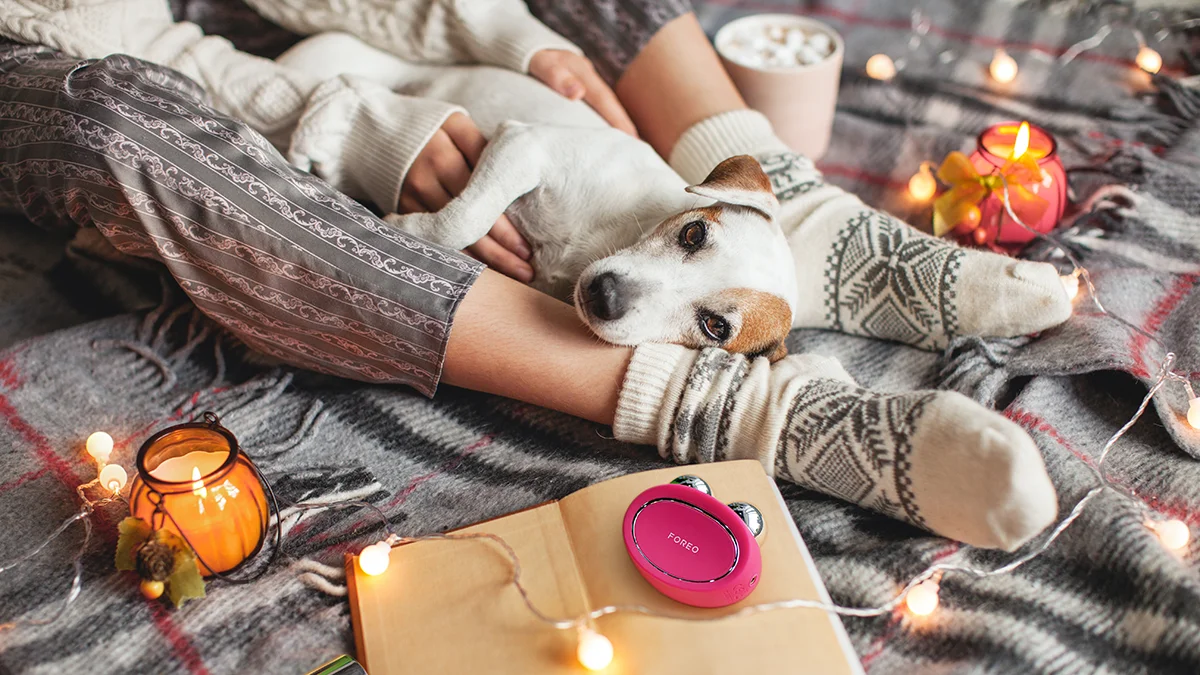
<point x="153" y="496"/>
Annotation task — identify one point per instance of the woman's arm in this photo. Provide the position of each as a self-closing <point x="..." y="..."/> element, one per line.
<point x="495" y="32"/>
<point x="512" y="340"/>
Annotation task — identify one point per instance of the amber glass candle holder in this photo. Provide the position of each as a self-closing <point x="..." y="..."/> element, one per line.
<point x="995" y="149"/>
<point x="193" y="480"/>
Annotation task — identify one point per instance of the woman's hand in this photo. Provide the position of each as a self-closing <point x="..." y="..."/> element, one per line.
<point x="575" y="77"/>
<point x="440" y="172"/>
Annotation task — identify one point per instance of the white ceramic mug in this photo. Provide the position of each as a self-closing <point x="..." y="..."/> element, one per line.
<point x="799" y="100"/>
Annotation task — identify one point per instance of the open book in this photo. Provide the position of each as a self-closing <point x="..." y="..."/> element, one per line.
<point x="448" y="606"/>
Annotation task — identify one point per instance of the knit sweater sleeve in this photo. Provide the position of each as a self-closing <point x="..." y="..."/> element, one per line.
<point x="357" y="135"/>
<point x="495" y="32"/>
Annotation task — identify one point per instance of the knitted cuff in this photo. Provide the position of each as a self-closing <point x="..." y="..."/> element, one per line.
<point x="362" y="138"/>
<point x="510" y="37"/>
<point x="709" y="142"/>
<point x="653" y="384"/>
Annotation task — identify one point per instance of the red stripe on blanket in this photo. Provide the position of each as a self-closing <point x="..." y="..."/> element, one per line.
<point x="184" y="650"/>
<point x="1172" y="510"/>
<point x="22" y="479"/>
<point x="9" y="377"/>
<point x="1032" y="422"/>
<point x="1156" y="318"/>
<point x="862" y="176"/>
<point x="905" y="25"/>
<point x="41" y="445"/>
<point x="453" y="464"/>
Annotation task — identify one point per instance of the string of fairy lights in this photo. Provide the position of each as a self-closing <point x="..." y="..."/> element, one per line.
<point x="919" y="596"/>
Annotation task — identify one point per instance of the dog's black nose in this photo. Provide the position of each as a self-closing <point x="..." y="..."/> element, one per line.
<point x="605" y="298"/>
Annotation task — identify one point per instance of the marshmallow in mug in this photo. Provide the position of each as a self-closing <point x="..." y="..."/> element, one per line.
<point x="777" y="46"/>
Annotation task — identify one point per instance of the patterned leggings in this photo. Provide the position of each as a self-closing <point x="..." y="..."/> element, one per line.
<point x="286" y="263"/>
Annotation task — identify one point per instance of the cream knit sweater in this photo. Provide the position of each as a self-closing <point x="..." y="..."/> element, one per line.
<point x="356" y="134"/>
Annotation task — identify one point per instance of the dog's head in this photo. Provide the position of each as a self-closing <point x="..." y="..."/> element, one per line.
<point x="714" y="276"/>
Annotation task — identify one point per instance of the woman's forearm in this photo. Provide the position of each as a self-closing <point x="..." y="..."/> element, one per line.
<point x="512" y="340"/>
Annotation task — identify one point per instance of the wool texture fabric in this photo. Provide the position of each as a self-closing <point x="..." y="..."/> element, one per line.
<point x="272" y="254"/>
<point x="865" y="272"/>
<point x="934" y="459"/>
<point x="1106" y="596"/>
<point x="358" y="136"/>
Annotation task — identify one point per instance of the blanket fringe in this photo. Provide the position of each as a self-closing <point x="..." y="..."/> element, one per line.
<point x="977" y="367"/>
<point x="1179" y="99"/>
<point x="249" y="404"/>
<point x="304" y="432"/>
<point x="319" y="576"/>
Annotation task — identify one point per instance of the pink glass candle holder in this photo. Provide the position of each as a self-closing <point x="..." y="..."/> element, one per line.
<point x="996" y="148"/>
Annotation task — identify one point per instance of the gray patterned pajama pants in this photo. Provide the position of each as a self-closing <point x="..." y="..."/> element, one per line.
<point x="292" y="267"/>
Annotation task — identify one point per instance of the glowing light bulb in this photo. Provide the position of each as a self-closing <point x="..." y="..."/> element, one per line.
<point x="100" y="446"/>
<point x="1149" y="60"/>
<point x="595" y="651"/>
<point x="1193" y="415"/>
<point x="113" y="477"/>
<point x="1173" y="534"/>
<point x="1004" y="67"/>
<point x="922" y="186"/>
<point x="922" y="599"/>
<point x="881" y="67"/>
<point x="1070" y="284"/>
<point x="374" y="559"/>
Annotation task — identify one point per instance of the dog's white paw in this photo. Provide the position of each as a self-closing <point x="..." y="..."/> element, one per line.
<point x="427" y="226"/>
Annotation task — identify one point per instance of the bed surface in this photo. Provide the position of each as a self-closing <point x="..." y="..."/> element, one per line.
<point x="1108" y="597"/>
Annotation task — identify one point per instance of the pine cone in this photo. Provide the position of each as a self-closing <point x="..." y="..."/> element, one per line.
<point x="155" y="560"/>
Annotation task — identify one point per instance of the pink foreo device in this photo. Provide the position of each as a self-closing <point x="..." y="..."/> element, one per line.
<point x="691" y="547"/>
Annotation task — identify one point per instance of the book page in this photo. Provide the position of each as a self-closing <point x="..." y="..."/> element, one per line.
<point x="450" y="606"/>
<point x="787" y="640"/>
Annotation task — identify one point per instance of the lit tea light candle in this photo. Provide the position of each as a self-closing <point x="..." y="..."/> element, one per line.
<point x="1038" y="203"/>
<point x="194" y="480"/>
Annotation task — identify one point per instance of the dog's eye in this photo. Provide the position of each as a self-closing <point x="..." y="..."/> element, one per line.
<point x="714" y="327"/>
<point x="692" y="236"/>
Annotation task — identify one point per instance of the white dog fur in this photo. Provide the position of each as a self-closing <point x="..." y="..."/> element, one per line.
<point x="609" y="222"/>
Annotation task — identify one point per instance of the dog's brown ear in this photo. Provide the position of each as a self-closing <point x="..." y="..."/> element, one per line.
<point x="766" y="321"/>
<point x="779" y="353"/>
<point x="740" y="181"/>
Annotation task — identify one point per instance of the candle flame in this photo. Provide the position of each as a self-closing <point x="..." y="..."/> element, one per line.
<point x="1022" y="142"/>
<point x="198" y="488"/>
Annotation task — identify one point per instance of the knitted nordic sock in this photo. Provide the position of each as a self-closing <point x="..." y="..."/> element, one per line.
<point x="864" y="272"/>
<point x="937" y="460"/>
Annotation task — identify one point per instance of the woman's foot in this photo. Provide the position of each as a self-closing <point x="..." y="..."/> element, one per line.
<point x="864" y="272"/>
<point x="936" y="460"/>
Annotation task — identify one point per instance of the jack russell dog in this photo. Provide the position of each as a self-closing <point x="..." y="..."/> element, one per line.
<point x="643" y="256"/>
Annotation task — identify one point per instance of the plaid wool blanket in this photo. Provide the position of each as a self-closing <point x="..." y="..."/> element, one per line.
<point x="89" y="345"/>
